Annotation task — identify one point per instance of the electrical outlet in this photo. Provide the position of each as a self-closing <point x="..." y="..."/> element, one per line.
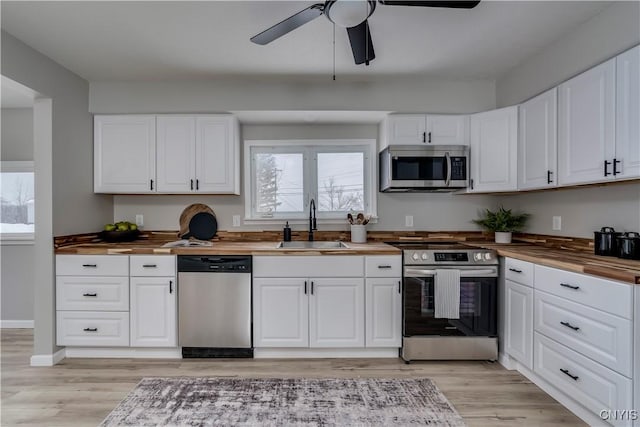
<point x="236" y="220"/>
<point x="140" y="220"/>
<point x="557" y="223"/>
<point x="408" y="221"/>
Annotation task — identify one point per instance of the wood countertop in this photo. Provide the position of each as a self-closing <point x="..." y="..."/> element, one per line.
<point x="579" y="262"/>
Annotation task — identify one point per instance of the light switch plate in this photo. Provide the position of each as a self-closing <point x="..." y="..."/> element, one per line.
<point x="408" y="221"/>
<point x="236" y="220"/>
<point x="140" y="220"/>
<point x="557" y="223"/>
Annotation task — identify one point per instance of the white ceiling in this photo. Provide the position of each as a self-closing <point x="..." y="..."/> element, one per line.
<point x="14" y="95"/>
<point x="149" y="40"/>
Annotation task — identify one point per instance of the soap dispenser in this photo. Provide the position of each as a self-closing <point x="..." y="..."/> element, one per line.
<point x="287" y="233"/>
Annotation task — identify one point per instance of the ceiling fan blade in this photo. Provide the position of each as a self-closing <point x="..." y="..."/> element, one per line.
<point x="361" y="44"/>
<point x="450" y="4"/>
<point x="289" y="24"/>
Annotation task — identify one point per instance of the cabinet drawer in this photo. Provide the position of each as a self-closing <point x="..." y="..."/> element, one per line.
<point x="601" y="336"/>
<point x="92" y="293"/>
<point x="308" y="266"/>
<point x="92" y="265"/>
<point x="383" y="266"/>
<point x="90" y="328"/>
<point x="153" y="265"/>
<point x="606" y="295"/>
<point x="518" y="271"/>
<point x="589" y="383"/>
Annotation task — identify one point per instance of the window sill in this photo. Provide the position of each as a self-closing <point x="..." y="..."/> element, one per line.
<point x="13" y="239"/>
<point x="298" y="221"/>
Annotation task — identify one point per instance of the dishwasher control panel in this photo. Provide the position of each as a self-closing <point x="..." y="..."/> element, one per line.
<point x="214" y="263"/>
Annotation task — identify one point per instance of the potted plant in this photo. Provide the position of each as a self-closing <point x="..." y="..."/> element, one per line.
<point x="503" y="223"/>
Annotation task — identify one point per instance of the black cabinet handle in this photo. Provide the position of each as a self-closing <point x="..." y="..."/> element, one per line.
<point x="549" y="180"/>
<point x="606" y="168"/>
<point x="192" y="184"/>
<point x="424" y="137"/>
<point x="429" y="137"/>
<point x="569" y="325"/>
<point x="149" y="265"/>
<point x="90" y="329"/>
<point x="567" y="373"/>
<point x="399" y="287"/>
<point x="384" y="267"/>
<point x="170" y="286"/>
<point x="312" y="288"/>
<point x="515" y="270"/>
<point x="615" y="169"/>
<point x="90" y="295"/>
<point x="566" y="285"/>
<point x="90" y="265"/>
<point x="305" y="287"/>
<point x="471" y="183"/>
<point x="151" y="184"/>
<point x="197" y="184"/>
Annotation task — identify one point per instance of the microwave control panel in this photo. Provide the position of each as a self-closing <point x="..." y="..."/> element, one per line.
<point x="458" y="168"/>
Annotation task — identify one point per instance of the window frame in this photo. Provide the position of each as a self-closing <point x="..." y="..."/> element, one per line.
<point x="17" y="167"/>
<point x="309" y="149"/>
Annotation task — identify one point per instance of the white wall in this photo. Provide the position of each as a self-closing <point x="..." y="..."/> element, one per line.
<point x="16" y="281"/>
<point x="430" y="211"/>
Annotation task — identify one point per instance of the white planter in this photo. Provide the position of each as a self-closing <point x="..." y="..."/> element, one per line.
<point x="503" y="237"/>
<point x="358" y="234"/>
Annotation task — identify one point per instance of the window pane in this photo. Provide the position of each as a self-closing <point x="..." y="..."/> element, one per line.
<point x="16" y="197"/>
<point x="279" y="182"/>
<point x="340" y="182"/>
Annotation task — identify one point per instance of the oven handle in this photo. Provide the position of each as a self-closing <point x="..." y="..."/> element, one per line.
<point x="448" y="180"/>
<point x="414" y="272"/>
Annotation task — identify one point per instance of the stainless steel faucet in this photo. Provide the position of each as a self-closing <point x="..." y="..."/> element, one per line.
<point x="312" y="219"/>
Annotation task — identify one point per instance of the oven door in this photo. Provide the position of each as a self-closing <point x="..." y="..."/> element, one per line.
<point x="478" y="304"/>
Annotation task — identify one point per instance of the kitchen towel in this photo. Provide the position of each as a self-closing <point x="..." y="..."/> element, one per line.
<point x="447" y="293"/>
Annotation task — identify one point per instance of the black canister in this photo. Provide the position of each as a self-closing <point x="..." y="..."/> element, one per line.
<point x="629" y="246"/>
<point x="605" y="242"/>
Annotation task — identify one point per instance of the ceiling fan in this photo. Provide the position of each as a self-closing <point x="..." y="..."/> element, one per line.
<point x="352" y="15"/>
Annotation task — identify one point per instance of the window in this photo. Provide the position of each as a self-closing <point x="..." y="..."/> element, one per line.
<point x="17" y="201"/>
<point x="281" y="178"/>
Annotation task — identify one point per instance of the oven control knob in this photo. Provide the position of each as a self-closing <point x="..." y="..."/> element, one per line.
<point x="477" y="256"/>
<point x="415" y="256"/>
<point x="488" y="256"/>
<point x="425" y="256"/>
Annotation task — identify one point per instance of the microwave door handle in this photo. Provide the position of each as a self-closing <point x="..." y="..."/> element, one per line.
<point x="448" y="180"/>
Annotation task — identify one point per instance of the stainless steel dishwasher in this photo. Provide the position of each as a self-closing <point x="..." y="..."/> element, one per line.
<point x="214" y="306"/>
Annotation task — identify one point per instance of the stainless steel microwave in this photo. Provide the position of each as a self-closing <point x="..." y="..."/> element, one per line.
<point x="434" y="168"/>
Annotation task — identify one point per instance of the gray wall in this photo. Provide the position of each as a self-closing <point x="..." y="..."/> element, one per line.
<point x="430" y="211"/>
<point x="614" y="30"/>
<point x="17" y="280"/>
<point x="67" y="162"/>
<point x="17" y="134"/>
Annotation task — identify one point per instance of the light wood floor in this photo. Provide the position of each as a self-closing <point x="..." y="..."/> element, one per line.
<point x="81" y="392"/>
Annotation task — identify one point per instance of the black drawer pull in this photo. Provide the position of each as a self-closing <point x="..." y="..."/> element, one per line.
<point x="149" y="265"/>
<point x="90" y="265"/>
<point x="90" y="295"/>
<point x="566" y="285"/>
<point x="90" y="329"/>
<point x="566" y="372"/>
<point x="515" y="270"/>
<point x="311" y="288"/>
<point x="569" y="325"/>
<point x="386" y="267"/>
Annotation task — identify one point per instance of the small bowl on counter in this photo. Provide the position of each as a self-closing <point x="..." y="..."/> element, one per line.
<point x="119" y="236"/>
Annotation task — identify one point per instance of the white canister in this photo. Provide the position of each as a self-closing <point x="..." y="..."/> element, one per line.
<point x="358" y="233"/>
<point x="503" y="237"/>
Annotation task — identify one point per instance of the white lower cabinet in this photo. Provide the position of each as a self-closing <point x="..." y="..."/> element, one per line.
<point x="519" y="323"/>
<point x="383" y="308"/>
<point x="92" y="328"/>
<point x="153" y="312"/>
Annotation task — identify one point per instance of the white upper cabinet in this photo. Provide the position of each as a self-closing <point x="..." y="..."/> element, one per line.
<point x="537" y="142"/>
<point x="425" y="129"/>
<point x="493" y="151"/>
<point x="217" y="155"/>
<point x="125" y="154"/>
<point x="176" y="154"/>
<point x="627" y="152"/>
<point x="586" y="126"/>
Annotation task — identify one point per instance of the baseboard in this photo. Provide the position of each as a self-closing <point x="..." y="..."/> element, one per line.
<point x="48" y="359"/>
<point x="124" y="353"/>
<point x="321" y="353"/>
<point x="16" y="324"/>
<point x="506" y="361"/>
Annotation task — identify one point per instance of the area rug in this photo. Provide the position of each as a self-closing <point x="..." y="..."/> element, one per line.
<point x="284" y="402"/>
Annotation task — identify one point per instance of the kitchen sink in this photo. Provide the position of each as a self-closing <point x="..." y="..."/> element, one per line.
<point x="311" y="245"/>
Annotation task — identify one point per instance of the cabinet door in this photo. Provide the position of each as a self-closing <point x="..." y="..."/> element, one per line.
<point x="280" y="313"/>
<point x="217" y="155"/>
<point x="176" y="144"/>
<point x="383" y="305"/>
<point x="519" y="323"/>
<point x="494" y="137"/>
<point x="124" y="154"/>
<point x="336" y="312"/>
<point x="447" y="130"/>
<point x="407" y="129"/>
<point x="586" y="126"/>
<point x="153" y="312"/>
<point x="627" y="154"/>
<point x="537" y="142"/>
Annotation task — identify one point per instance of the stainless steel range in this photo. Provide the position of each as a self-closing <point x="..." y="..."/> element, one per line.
<point x="431" y="275"/>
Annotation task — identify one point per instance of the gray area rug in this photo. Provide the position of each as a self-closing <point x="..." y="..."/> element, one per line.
<point x="284" y="402"/>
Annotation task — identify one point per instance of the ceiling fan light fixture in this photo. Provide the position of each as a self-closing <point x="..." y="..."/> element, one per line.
<point x="349" y="13"/>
